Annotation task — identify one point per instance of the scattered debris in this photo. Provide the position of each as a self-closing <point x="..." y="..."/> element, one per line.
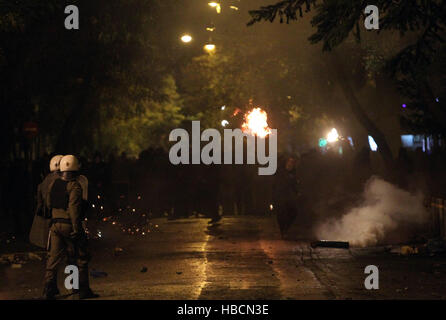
<point x="330" y="244"/>
<point x="407" y="250"/>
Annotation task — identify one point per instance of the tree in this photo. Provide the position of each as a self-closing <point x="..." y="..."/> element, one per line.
<point x="336" y="20"/>
<point x="64" y="79"/>
<point x="141" y="124"/>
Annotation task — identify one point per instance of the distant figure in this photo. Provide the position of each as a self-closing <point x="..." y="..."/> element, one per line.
<point x="285" y="194"/>
<point x="209" y="193"/>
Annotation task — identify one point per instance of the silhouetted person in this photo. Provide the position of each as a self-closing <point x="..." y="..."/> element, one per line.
<point x="285" y="194"/>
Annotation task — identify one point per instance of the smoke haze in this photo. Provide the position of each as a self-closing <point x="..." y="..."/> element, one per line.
<point x="386" y="213"/>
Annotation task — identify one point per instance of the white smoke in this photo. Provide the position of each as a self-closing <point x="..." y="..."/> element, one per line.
<point x="385" y="208"/>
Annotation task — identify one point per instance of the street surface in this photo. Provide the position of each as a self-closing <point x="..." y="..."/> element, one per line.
<point x="240" y="258"/>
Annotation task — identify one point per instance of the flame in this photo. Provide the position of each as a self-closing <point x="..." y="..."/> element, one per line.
<point x="256" y="123"/>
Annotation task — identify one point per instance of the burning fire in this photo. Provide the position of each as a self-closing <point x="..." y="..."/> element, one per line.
<point x="256" y="123"/>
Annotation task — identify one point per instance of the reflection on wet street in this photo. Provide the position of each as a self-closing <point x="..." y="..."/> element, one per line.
<point x="238" y="258"/>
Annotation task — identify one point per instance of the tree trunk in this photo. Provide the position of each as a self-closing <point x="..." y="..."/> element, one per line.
<point x="360" y="114"/>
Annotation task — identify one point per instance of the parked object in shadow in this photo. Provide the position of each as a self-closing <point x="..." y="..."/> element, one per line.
<point x="330" y="244"/>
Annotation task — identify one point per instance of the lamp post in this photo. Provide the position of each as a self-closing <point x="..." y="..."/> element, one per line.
<point x="210" y="48"/>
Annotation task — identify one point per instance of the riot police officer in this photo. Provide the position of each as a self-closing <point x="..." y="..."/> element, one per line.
<point x="41" y="224"/>
<point x="67" y="236"/>
<point x="42" y="208"/>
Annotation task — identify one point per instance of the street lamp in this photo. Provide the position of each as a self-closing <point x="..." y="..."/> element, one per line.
<point x="215" y="5"/>
<point x="209" y="48"/>
<point x="186" y="38"/>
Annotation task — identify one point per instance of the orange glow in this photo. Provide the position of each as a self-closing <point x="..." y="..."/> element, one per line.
<point x="256" y="123"/>
<point x="236" y="112"/>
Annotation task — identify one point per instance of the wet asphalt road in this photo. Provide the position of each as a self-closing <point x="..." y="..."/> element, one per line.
<point x="240" y="258"/>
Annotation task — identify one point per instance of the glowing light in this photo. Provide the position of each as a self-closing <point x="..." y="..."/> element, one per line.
<point x="236" y="112"/>
<point x="215" y="5"/>
<point x="271" y="207"/>
<point x="210" y="28"/>
<point x="404" y="105"/>
<point x="209" y="47"/>
<point x="373" y="145"/>
<point x="186" y="38"/>
<point x="437" y="99"/>
<point x="223" y="107"/>
<point x="333" y="136"/>
<point x="322" y="142"/>
<point x="350" y="140"/>
<point x="256" y="123"/>
<point x="224" y="123"/>
<point x="234" y="8"/>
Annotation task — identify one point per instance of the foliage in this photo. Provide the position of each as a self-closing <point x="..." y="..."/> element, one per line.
<point x="420" y="20"/>
<point x="141" y="125"/>
<point x="64" y="79"/>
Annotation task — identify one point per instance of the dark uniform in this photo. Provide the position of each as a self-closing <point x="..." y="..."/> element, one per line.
<point x="285" y="196"/>
<point x="42" y="208"/>
<point x="67" y="235"/>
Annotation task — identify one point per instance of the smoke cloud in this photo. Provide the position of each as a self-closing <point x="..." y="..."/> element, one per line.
<point x="385" y="214"/>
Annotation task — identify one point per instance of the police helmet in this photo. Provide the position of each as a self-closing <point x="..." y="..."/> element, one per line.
<point x="55" y="162"/>
<point x="69" y="163"/>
